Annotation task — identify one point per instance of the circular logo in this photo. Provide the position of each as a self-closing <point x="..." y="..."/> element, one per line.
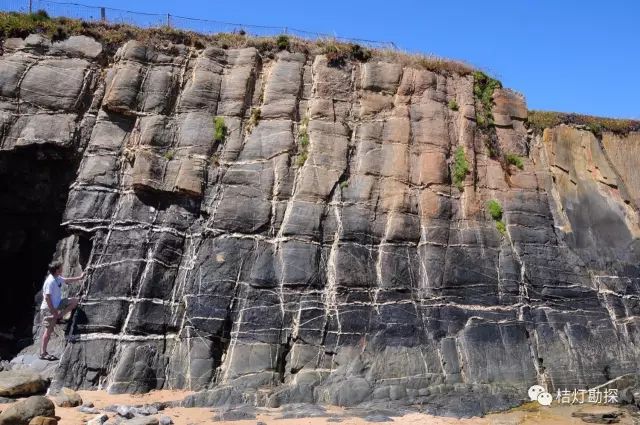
<point x="535" y="391"/>
<point x="545" y="399"/>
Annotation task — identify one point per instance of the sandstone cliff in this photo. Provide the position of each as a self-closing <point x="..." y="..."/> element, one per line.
<point x="318" y="248"/>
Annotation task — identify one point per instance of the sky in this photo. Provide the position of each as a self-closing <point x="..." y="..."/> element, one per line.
<point x="563" y="55"/>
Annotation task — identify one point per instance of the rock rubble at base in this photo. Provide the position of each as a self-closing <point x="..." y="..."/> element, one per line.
<point x="67" y="398"/>
<point x="23" y="412"/>
<point x="19" y="383"/>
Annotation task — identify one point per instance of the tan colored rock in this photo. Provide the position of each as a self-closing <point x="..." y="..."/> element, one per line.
<point x="268" y="139"/>
<point x="67" y="398"/>
<point x="122" y="90"/>
<point x="330" y="81"/>
<point x="149" y="170"/>
<point x="393" y="195"/>
<point x="282" y="86"/>
<point x="14" y="43"/>
<point x="381" y="76"/>
<point x="190" y="176"/>
<point x="495" y="178"/>
<point x="235" y="83"/>
<point x="43" y="420"/>
<point x="509" y="104"/>
<point x="430" y="204"/>
<point x="429" y="124"/>
<point x="623" y="152"/>
<point x="429" y="167"/>
<point x="395" y="161"/>
<point x="321" y="108"/>
<point x="16" y="383"/>
<point x="511" y="140"/>
<point x="524" y="180"/>
<point x="375" y="103"/>
<point x="78" y="46"/>
<point x="397" y="130"/>
<point x="469" y="112"/>
<point x="22" y="412"/>
<point x="202" y="89"/>
<point x="502" y="120"/>
<point x="417" y="81"/>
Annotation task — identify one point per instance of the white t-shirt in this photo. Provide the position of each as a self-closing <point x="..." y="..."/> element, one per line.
<point x="52" y="286"/>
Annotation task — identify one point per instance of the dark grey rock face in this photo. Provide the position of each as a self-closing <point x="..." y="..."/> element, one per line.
<point x="320" y="253"/>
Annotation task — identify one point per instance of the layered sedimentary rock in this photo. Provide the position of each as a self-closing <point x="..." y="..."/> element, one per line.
<point x="320" y="251"/>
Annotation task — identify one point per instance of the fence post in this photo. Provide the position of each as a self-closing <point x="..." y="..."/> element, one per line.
<point x="30" y="6"/>
<point x="169" y="20"/>
<point x="103" y="14"/>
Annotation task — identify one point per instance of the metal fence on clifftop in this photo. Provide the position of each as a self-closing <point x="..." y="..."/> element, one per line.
<point x="150" y="20"/>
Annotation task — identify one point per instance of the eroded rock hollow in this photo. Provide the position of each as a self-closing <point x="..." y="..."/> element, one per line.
<point x="320" y="250"/>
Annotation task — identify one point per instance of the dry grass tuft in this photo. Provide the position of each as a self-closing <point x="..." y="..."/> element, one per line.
<point x="113" y="35"/>
<point x="539" y="120"/>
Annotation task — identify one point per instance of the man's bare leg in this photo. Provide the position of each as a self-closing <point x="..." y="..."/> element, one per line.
<point x="45" y="337"/>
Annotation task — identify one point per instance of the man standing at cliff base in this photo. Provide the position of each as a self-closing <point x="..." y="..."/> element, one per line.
<point x="54" y="307"/>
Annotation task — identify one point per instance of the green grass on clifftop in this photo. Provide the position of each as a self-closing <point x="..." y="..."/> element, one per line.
<point x="113" y="36"/>
<point x="539" y="120"/>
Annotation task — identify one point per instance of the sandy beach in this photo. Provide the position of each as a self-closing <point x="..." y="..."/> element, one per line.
<point x="528" y="414"/>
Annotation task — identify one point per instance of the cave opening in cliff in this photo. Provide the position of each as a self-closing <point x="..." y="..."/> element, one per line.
<point x="34" y="182"/>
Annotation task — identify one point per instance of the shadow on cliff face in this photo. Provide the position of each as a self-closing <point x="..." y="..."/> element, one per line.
<point x="34" y="183"/>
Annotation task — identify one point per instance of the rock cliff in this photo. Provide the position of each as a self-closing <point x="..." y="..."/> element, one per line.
<point x="328" y="238"/>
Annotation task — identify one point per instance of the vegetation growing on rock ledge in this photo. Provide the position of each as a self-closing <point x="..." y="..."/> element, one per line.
<point x="22" y="24"/>
<point x="214" y="160"/>
<point x="282" y="42"/>
<point x="514" y="160"/>
<point x="460" y="167"/>
<point x="303" y="142"/>
<point x="220" y="129"/>
<point x="539" y="120"/>
<point x="254" y="119"/>
<point x="483" y="88"/>
<point x="112" y="36"/>
<point x="338" y="53"/>
<point x="495" y="211"/>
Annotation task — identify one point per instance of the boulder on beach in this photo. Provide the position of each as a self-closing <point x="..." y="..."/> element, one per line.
<point x="17" y="383"/>
<point x="22" y="412"/>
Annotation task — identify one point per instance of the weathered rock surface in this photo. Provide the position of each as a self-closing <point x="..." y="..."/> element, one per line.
<point x="43" y="420"/>
<point x="67" y="398"/>
<point x="19" y="383"/>
<point x="98" y="420"/>
<point x="22" y="412"/>
<point x="346" y="270"/>
<point x="143" y="420"/>
<point x="235" y="414"/>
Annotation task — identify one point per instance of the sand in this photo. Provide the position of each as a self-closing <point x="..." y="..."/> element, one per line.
<point x="529" y="414"/>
